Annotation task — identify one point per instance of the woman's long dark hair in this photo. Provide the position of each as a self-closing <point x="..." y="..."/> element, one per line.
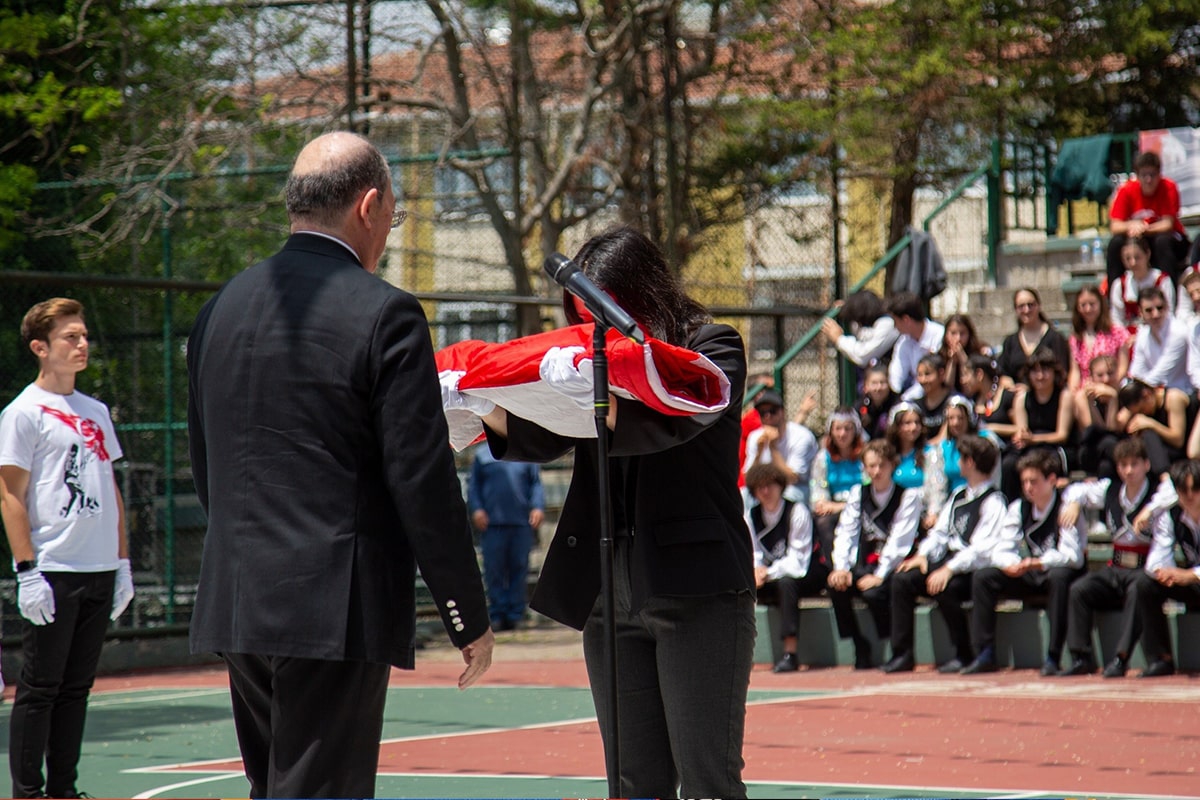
<point x="630" y="267"/>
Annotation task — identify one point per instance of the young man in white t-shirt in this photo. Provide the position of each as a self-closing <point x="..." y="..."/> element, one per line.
<point x="65" y="523"/>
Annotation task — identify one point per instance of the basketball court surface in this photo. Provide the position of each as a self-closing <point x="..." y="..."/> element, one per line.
<point x="529" y="730"/>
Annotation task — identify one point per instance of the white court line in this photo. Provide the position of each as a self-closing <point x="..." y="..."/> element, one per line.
<point x="185" y="784"/>
<point x="105" y="700"/>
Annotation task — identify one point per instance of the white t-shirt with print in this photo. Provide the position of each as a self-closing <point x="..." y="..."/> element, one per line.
<point x="68" y="445"/>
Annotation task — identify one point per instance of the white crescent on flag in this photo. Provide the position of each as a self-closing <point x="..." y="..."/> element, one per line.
<point x="670" y="379"/>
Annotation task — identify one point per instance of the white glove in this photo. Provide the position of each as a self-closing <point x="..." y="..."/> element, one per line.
<point x="453" y="399"/>
<point x="559" y="372"/>
<point x="35" y="596"/>
<point x="122" y="589"/>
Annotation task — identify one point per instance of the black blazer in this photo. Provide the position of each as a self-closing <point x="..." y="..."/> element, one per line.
<point x="681" y="500"/>
<point x="319" y="448"/>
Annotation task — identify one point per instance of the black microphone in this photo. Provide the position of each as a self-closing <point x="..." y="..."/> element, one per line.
<point x="603" y="307"/>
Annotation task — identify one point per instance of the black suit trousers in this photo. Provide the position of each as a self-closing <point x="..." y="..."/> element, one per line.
<point x="308" y="727"/>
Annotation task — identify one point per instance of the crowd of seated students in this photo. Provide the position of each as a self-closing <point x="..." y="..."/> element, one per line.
<point x="962" y="474"/>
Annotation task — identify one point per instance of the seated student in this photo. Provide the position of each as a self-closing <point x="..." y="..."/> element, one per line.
<point x="906" y="434"/>
<point x="931" y="376"/>
<point x="1138" y="275"/>
<point x="876" y="401"/>
<point x="1128" y="508"/>
<point x="941" y="457"/>
<point x="1037" y="556"/>
<point x="875" y="531"/>
<point x="835" y="471"/>
<point x="866" y="334"/>
<point x="918" y="335"/>
<point x="961" y="541"/>
<point x="983" y="386"/>
<point x="959" y="343"/>
<point x="1162" y="579"/>
<point x="779" y="441"/>
<point x="1147" y="207"/>
<point x="1160" y="348"/>
<point x="1160" y="415"/>
<point x="1096" y="416"/>
<point x="1044" y="415"/>
<point x="788" y="564"/>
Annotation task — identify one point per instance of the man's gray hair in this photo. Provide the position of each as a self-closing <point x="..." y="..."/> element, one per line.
<point x="324" y="196"/>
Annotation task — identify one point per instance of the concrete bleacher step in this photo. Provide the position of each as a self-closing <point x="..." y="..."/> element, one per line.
<point x="1021" y="637"/>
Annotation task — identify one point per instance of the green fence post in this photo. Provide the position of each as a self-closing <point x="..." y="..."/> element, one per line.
<point x="169" y="415"/>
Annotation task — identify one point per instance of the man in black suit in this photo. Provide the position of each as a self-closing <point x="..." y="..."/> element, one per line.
<point x="320" y="453"/>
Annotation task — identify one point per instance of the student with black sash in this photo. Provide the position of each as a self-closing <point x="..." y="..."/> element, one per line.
<point x="961" y="541"/>
<point x="1038" y="556"/>
<point x="788" y="560"/>
<point x="875" y="531"/>
<point x="1128" y="507"/>
<point x="1162" y="578"/>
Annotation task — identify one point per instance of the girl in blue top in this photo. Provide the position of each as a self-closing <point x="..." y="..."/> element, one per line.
<point x="835" y="471"/>
<point x="906" y="432"/>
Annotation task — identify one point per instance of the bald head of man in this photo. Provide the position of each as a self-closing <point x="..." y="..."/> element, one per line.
<point x="340" y="185"/>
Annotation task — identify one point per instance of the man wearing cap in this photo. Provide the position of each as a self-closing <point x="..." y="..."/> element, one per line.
<point x="786" y="444"/>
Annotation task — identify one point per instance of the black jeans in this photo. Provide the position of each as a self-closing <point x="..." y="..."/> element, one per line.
<point x="52" y="690"/>
<point x="990" y="584"/>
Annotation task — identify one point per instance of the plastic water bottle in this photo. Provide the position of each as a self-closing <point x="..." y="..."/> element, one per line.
<point x="1085" y="254"/>
<point x="1097" y="251"/>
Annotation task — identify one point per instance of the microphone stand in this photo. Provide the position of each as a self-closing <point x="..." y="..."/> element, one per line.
<point x="607" y="595"/>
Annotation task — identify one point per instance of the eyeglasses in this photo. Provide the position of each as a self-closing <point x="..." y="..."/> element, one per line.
<point x="399" y="217"/>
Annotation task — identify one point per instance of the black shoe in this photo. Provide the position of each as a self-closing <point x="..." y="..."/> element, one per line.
<point x="863" y="660"/>
<point x="1158" y="669"/>
<point x="953" y="666"/>
<point x="1080" y="666"/>
<point x="901" y="663"/>
<point x="786" y="664"/>
<point x="1049" y="668"/>
<point x="979" y="666"/>
<point x="1116" y="668"/>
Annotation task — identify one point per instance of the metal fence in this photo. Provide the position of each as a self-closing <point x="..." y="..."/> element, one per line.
<point x="769" y="275"/>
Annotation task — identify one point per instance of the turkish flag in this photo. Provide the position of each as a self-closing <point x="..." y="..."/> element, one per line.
<point x="670" y="379"/>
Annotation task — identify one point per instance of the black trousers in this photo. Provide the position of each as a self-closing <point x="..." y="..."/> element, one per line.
<point x="879" y="604"/>
<point x="786" y="593"/>
<point x="1161" y="454"/>
<point x="307" y="727"/>
<point x="1109" y="589"/>
<point x="1096" y="445"/>
<point x="1166" y="251"/>
<point x="683" y="673"/>
<point x="907" y="587"/>
<point x="990" y="584"/>
<point x="1156" y="638"/>
<point x="56" y="677"/>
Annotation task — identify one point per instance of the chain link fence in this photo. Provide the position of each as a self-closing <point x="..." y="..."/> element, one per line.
<point x="768" y="275"/>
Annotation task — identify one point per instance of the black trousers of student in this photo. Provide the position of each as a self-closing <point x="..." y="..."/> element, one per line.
<point x="1166" y="251"/>
<point x="56" y="678"/>
<point x="1160" y="454"/>
<point x="307" y="727"/>
<point x="907" y="587"/>
<point x="1156" y="637"/>
<point x="1096" y="445"/>
<point x="990" y="584"/>
<point x="786" y="593"/>
<point x="877" y="598"/>
<point x="1108" y="589"/>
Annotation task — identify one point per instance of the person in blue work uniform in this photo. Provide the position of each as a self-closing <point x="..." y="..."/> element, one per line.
<point x="507" y="505"/>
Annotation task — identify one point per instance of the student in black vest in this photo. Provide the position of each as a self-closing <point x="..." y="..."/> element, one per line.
<point x="1128" y="508"/>
<point x="1162" y="578"/>
<point x="961" y="541"/>
<point x="875" y="531"/>
<point x="787" y="563"/>
<point x="1038" y="556"/>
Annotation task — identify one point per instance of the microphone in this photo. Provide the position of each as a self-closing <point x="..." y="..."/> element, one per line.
<point x="600" y="303"/>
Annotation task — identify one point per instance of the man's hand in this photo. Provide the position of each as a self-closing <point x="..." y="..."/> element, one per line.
<point x="122" y="589"/>
<point x="1175" y="576"/>
<point x="35" y="597"/>
<point x="760" y="577"/>
<point x="915" y="562"/>
<point x="480" y="520"/>
<point x="831" y="329"/>
<point x="536" y="517"/>
<point x="936" y="583"/>
<point x="1069" y="515"/>
<point x="478" y="657"/>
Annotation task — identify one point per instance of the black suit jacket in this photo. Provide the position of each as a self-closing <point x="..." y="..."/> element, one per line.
<point x="681" y="497"/>
<point x="320" y="454"/>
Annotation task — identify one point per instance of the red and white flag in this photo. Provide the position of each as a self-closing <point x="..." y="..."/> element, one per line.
<point x="670" y="379"/>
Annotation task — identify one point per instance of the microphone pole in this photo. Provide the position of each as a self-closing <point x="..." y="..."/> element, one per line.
<point x="605" y="313"/>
